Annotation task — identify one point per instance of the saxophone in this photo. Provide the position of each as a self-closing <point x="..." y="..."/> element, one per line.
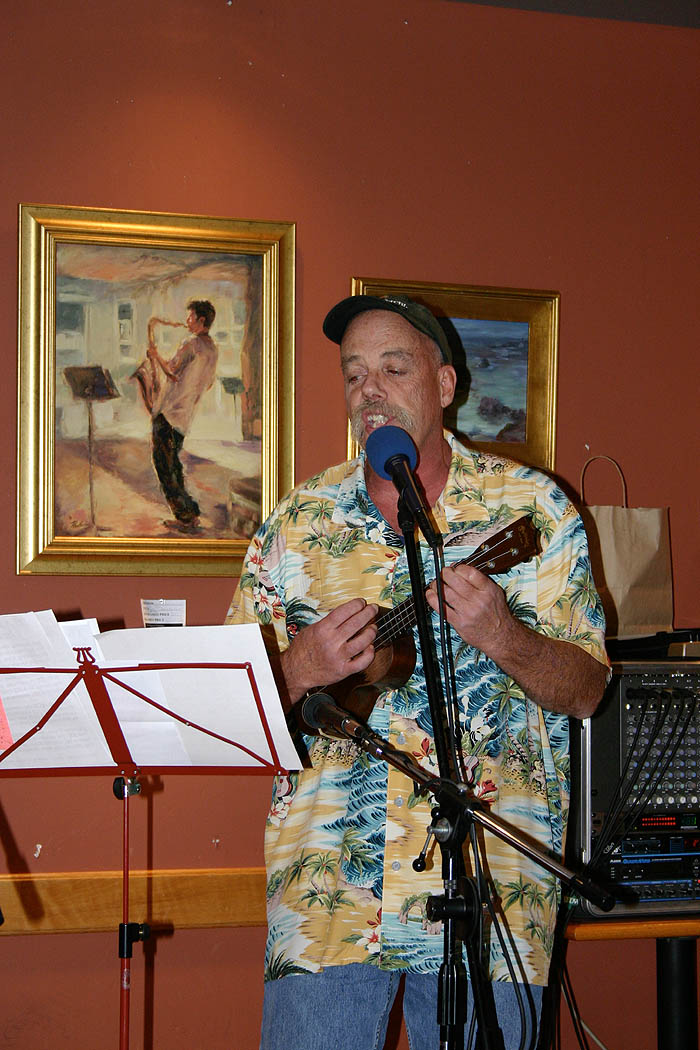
<point x="147" y="374"/>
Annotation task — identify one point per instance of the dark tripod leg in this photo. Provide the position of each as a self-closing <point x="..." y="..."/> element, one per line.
<point x="489" y="1035"/>
<point x="458" y="909"/>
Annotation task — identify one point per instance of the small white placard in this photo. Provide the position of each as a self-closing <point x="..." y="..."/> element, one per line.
<point x="164" y="612"/>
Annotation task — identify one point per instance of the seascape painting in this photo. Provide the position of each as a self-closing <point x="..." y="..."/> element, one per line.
<point x="111" y="303"/>
<point x="491" y="398"/>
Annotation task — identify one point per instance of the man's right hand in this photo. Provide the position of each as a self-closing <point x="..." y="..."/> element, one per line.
<point x="331" y="649"/>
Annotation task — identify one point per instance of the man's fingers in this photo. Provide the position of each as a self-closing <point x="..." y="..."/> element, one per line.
<point x="361" y="662"/>
<point x="464" y="577"/>
<point x="338" y="644"/>
<point x="355" y="613"/>
<point x="360" y="641"/>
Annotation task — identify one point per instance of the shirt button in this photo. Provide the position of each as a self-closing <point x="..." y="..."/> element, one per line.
<point x="396" y="865"/>
<point x="398" y="801"/>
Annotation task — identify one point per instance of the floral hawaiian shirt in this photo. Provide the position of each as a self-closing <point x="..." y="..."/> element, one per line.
<point x="341" y="834"/>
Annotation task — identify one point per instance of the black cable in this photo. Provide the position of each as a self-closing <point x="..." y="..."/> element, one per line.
<point x="618" y="825"/>
<point x="674" y="738"/>
<point x="617" y="802"/>
<point x="456" y="753"/>
<point x="448" y="674"/>
<point x="484" y="892"/>
<point x="614" y="822"/>
<point x="574" y="1010"/>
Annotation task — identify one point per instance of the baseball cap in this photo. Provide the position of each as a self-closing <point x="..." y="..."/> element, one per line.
<point x="415" y="313"/>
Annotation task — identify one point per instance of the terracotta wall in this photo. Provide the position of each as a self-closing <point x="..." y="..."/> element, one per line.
<point x="424" y="140"/>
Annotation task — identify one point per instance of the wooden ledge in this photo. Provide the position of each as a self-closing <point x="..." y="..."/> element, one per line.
<point x="632" y="929"/>
<point x="200" y="898"/>
<point x="91" y="901"/>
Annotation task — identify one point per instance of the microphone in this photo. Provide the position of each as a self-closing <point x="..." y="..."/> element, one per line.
<point x="392" y="454"/>
<point x="322" y="713"/>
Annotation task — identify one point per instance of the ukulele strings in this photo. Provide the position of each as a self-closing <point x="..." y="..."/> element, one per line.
<point x="394" y="623"/>
<point x="403" y="617"/>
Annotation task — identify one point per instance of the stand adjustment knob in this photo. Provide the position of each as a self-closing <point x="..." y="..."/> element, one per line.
<point x="419" y="864"/>
<point x="125" y="786"/>
<point x="442" y="829"/>
<point x="129" y="933"/>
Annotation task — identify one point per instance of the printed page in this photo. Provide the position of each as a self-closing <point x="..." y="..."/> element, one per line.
<point x="224" y="725"/>
<point x="71" y="736"/>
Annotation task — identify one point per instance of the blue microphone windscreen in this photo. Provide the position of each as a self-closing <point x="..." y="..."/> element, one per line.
<point x="385" y="442"/>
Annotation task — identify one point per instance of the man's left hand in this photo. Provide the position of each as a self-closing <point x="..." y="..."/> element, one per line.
<point x="476" y="606"/>
<point x="558" y="675"/>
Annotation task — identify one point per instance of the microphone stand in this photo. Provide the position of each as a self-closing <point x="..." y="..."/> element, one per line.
<point x="452" y="819"/>
<point x="457" y="796"/>
<point x="453" y="799"/>
<point x="451" y="823"/>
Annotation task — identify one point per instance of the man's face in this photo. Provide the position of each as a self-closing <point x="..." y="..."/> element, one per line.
<point x="393" y="374"/>
<point x="195" y="324"/>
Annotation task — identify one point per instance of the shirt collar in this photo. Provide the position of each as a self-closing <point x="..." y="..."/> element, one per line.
<point x="354" y="508"/>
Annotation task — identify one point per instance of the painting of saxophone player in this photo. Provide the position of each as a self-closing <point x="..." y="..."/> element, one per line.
<point x="172" y="390"/>
<point x="178" y="455"/>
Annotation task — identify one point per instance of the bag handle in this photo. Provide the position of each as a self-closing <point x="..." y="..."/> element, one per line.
<point x="617" y="467"/>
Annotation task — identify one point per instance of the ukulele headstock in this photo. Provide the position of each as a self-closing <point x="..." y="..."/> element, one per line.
<point x="516" y="543"/>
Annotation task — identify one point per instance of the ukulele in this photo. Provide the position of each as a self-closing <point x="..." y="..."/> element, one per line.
<point x="394" y="650"/>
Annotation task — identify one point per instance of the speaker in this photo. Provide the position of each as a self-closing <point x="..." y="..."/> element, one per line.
<point x="635" y="778"/>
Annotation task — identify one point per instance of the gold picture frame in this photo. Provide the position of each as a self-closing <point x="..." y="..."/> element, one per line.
<point x="506" y="331"/>
<point x="95" y="286"/>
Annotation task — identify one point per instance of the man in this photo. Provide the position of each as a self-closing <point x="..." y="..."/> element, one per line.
<point x="346" y="911"/>
<point x="188" y="374"/>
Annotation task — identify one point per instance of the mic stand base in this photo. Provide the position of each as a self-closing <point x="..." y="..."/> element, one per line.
<point x="452" y="818"/>
<point x="458" y="908"/>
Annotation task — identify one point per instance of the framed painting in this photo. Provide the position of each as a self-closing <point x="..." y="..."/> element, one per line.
<point x="504" y="345"/>
<point x="156" y="389"/>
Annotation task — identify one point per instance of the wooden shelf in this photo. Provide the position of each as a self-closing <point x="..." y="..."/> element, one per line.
<point x="637" y="929"/>
<point x="91" y="901"/>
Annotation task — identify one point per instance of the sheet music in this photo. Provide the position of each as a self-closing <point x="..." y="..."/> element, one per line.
<point x="82" y="634"/>
<point x="72" y="736"/>
<point x="220" y="700"/>
<point x="215" y="702"/>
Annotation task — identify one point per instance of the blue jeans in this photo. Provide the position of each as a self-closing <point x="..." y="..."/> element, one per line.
<point x="347" y="1008"/>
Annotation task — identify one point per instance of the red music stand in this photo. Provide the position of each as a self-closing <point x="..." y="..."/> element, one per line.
<point x="96" y="680"/>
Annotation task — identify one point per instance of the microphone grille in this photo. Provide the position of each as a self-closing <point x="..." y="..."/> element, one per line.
<point x="312" y="709"/>
<point x="386" y="442"/>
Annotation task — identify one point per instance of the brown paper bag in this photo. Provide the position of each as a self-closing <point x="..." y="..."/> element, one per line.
<point x="631" y="559"/>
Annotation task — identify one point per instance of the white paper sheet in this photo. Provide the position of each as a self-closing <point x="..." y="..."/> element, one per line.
<point x="82" y="634"/>
<point x="72" y="735"/>
<point x="216" y="723"/>
<point x="215" y="701"/>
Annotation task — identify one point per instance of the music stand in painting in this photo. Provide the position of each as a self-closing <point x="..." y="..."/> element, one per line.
<point x="90" y="383"/>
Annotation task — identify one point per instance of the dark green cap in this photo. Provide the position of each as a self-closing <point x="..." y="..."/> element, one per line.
<point x="416" y="314"/>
